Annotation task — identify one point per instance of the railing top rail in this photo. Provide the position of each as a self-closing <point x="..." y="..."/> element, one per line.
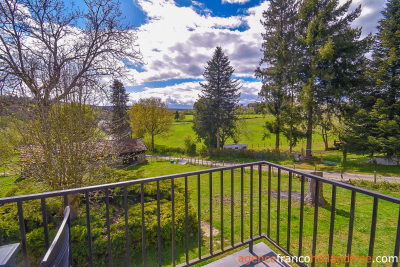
<point x="82" y="190"/>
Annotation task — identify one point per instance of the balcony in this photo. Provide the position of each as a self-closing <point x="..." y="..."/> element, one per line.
<point x="204" y="215"/>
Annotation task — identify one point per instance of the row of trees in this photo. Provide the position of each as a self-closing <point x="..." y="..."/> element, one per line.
<point x="315" y="69"/>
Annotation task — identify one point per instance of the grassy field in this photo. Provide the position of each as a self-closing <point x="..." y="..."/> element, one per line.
<point x="253" y="126"/>
<point x="221" y="203"/>
<point x="253" y="133"/>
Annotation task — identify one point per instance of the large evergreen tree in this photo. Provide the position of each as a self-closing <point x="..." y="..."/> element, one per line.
<point x="386" y="55"/>
<point x="120" y="119"/>
<point x="332" y="57"/>
<point x="215" y="118"/>
<point x="375" y="126"/>
<point x="279" y="49"/>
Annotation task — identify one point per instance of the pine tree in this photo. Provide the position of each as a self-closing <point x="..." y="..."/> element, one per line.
<point x="176" y="115"/>
<point x="279" y="54"/>
<point x="120" y="119"/>
<point x="386" y="55"/>
<point x="332" y="57"/>
<point x="375" y="127"/>
<point x="215" y="118"/>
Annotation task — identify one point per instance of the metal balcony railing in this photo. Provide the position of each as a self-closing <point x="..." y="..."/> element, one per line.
<point x="265" y="189"/>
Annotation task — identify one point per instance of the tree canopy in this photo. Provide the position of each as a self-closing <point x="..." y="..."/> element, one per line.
<point x="120" y="118"/>
<point x="150" y="116"/>
<point x="215" y="118"/>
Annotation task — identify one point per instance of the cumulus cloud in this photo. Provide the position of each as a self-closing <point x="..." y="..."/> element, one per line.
<point x="177" y="41"/>
<point x="235" y="1"/>
<point x="185" y="94"/>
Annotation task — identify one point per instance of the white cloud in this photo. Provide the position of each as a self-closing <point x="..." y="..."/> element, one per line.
<point x="176" y="42"/>
<point x="235" y="1"/>
<point x="185" y="94"/>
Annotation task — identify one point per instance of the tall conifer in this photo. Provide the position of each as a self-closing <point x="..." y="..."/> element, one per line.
<point x="215" y="118"/>
<point x="120" y="119"/>
<point x="278" y="77"/>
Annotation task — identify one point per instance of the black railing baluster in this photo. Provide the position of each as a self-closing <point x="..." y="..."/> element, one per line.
<point x="269" y="202"/>
<point x="89" y="237"/>
<point x="211" y="213"/>
<point x="186" y="220"/>
<point x="68" y="195"/>
<point x="351" y="224"/>
<point x="222" y="210"/>
<point x="332" y="226"/>
<point x="69" y="227"/>
<point x="199" y="216"/>
<point x="289" y="212"/>
<point x="45" y="226"/>
<point x="301" y="216"/>
<point x="259" y="198"/>
<point x="241" y="205"/>
<point x="232" y="210"/>
<point x="108" y="227"/>
<point x="251" y="209"/>
<point x="23" y="234"/>
<point x="315" y="230"/>
<point x="173" y="220"/>
<point x="158" y="224"/>
<point x="373" y="228"/>
<point x="127" y="258"/>
<point x="278" y="207"/>
<point x="397" y="243"/>
<point x="143" y="225"/>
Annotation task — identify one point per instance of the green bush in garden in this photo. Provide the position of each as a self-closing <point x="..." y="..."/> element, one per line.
<point x="34" y="222"/>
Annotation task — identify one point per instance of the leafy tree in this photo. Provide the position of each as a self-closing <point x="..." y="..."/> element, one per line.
<point x="386" y="55"/>
<point x="47" y="60"/>
<point x="332" y="61"/>
<point x="215" y="119"/>
<point x="182" y="116"/>
<point x="120" y="119"/>
<point x="279" y="53"/>
<point x="150" y="116"/>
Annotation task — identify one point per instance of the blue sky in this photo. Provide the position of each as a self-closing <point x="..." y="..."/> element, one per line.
<point x="177" y="38"/>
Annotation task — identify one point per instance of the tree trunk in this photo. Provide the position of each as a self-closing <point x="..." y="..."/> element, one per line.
<point x="277" y="140"/>
<point x="324" y="134"/>
<point x="291" y="139"/>
<point x="310" y="197"/>
<point x="309" y="132"/>
<point x="73" y="203"/>
<point x="218" y="137"/>
<point x="152" y="142"/>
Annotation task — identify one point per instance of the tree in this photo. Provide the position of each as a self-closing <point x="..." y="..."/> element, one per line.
<point x="386" y="55"/>
<point x="374" y="127"/>
<point x="332" y="61"/>
<point x="150" y="116"/>
<point x="215" y="118"/>
<point x="176" y="115"/>
<point x="120" y="119"/>
<point x="278" y="55"/>
<point x="374" y="132"/>
<point x="57" y="66"/>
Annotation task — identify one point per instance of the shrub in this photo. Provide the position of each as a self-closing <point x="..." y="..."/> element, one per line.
<point x="190" y="146"/>
<point x="35" y="234"/>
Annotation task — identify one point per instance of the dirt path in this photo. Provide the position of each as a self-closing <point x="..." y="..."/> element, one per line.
<point x="326" y="174"/>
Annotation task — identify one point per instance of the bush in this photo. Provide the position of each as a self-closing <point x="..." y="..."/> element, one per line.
<point x="35" y="234"/>
<point x="190" y="146"/>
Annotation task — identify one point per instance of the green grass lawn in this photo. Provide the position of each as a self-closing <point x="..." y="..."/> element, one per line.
<point x="253" y="133"/>
<point x="221" y="203"/>
<point x="252" y="129"/>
